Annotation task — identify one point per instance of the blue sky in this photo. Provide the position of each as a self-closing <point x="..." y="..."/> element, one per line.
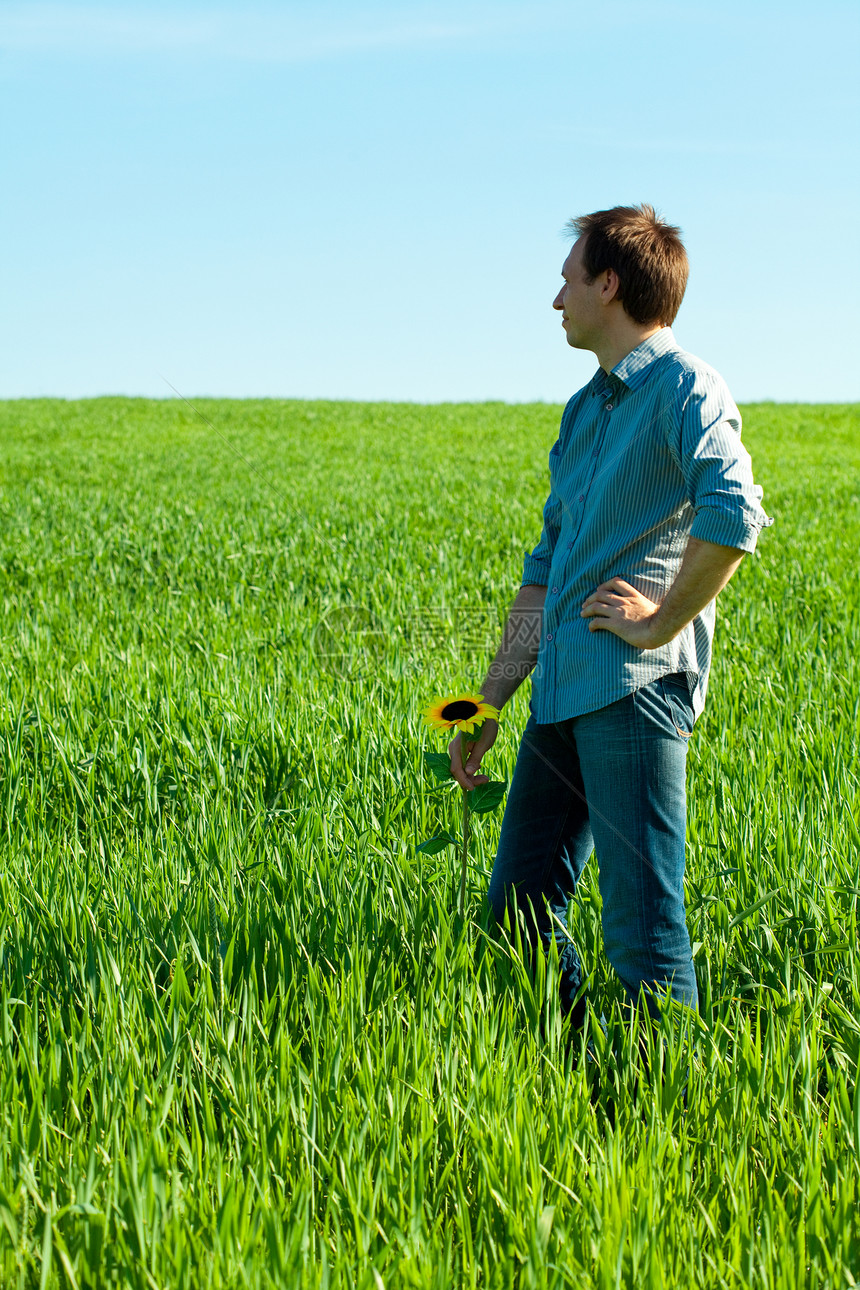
<point x="350" y="200"/>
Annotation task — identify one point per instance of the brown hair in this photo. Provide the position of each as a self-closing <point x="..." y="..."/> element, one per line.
<point x="646" y="253"/>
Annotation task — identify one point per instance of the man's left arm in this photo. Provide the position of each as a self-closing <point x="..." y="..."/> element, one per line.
<point x="704" y="438"/>
<point x="618" y="607"/>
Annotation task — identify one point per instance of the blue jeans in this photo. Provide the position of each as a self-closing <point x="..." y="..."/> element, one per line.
<point x="613" y="780"/>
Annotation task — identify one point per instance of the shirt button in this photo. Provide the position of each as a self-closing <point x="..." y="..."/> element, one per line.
<point x="555" y="591"/>
<point x="582" y="497"/>
<point x="569" y="545"/>
<point x="609" y="407"/>
<point x="549" y="636"/>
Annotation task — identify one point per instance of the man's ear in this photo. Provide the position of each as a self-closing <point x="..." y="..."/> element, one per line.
<point x="609" y="287"/>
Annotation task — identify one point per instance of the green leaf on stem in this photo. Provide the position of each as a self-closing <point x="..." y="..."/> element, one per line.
<point x="439" y="764"/>
<point x="486" y="797"/>
<point x="436" y="844"/>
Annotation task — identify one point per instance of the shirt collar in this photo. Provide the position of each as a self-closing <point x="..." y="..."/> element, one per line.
<point x="635" y="368"/>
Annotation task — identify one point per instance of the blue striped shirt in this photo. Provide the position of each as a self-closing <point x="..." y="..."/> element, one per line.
<point x="647" y="456"/>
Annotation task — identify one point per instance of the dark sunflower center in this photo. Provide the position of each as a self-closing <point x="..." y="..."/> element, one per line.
<point x="460" y="710"/>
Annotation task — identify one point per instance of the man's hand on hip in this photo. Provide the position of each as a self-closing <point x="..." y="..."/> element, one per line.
<point x="618" y="607"/>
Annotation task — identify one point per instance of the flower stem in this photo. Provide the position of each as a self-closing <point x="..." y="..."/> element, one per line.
<point x="461" y="899"/>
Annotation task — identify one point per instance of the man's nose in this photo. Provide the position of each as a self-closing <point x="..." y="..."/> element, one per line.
<point x="558" y="303"/>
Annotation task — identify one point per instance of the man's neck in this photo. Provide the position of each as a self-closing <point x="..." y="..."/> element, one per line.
<point x="622" y="342"/>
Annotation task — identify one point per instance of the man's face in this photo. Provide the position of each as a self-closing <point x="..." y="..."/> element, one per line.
<point x="581" y="315"/>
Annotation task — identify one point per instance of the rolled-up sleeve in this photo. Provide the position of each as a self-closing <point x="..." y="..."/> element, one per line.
<point x="537" y="563"/>
<point x="705" y="439"/>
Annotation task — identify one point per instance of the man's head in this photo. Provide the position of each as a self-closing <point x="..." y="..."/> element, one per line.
<point x="626" y="266"/>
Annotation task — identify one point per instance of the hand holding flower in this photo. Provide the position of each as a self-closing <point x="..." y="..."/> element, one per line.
<point x="477" y="725"/>
<point x="466" y="752"/>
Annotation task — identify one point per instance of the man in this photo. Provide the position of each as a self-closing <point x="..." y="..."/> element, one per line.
<point x="651" y="509"/>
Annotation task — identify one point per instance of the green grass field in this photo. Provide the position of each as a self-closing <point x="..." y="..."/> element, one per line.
<point x="245" y="1039"/>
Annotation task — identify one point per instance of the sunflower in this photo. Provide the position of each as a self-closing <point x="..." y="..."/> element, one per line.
<point x="459" y="712"/>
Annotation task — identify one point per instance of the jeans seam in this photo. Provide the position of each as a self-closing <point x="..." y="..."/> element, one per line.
<point x="550" y="860"/>
<point x="645" y="939"/>
<point x="552" y="852"/>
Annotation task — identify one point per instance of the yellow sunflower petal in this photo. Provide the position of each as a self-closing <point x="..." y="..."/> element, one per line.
<point x="433" y="713"/>
<point x="435" y="710"/>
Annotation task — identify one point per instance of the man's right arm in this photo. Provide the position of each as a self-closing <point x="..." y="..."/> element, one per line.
<point x="515" y="659"/>
<point x="517" y="654"/>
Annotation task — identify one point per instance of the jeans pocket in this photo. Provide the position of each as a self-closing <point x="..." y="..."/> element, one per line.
<point x="679" y="701"/>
